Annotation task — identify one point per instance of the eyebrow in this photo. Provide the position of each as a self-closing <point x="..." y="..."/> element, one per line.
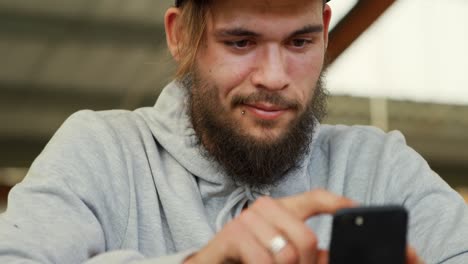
<point x="236" y="32"/>
<point x="309" y="29"/>
<point x="243" y="32"/>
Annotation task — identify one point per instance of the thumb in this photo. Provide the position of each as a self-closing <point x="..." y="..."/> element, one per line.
<point x="322" y="257"/>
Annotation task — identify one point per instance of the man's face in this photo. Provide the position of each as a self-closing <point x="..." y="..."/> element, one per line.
<point x="255" y="89"/>
<point x="265" y="58"/>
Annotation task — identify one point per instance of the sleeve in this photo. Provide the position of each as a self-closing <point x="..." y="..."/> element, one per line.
<point x="438" y="226"/>
<point x="73" y="205"/>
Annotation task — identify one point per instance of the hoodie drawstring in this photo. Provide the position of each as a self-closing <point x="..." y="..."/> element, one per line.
<point x="237" y="201"/>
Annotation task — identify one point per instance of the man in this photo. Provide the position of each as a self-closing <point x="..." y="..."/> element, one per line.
<point x="231" y="164"/>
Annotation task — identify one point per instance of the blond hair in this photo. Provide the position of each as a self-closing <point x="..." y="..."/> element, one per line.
<point x="192" y="27"/>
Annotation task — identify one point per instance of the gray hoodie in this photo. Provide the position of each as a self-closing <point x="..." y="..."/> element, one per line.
<point x="132" y="187"/>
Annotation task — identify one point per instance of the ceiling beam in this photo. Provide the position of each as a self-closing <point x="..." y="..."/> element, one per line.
<point x="67" y="96"/>
<point x="33" y="111"/>
<point x="4" y="190"/>
<point x="360" y="18"/>
<point x="56" y="28"/>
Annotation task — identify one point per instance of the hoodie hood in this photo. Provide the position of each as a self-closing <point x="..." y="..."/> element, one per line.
<point x="172" y="128"/>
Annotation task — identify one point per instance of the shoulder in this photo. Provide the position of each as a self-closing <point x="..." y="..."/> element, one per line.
<point x="102" y="120"/>
<point x="373" y="165"/>
<point x="90" y="140"/>
<point x="358" y="139"/>
<point x="104" y="128"/>
<point x="88" y="163"/>
<point x="93" y="150"/>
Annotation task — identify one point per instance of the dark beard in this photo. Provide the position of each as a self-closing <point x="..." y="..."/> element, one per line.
<point x="247" y="160"/>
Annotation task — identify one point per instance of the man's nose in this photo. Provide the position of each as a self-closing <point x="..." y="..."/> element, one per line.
<point x="272" y="70"/>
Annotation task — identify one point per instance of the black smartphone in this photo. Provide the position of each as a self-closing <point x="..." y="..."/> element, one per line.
<point x="369" y="235"/>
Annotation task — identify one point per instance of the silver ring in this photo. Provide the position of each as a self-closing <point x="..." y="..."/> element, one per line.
<point x="277" y="244"/>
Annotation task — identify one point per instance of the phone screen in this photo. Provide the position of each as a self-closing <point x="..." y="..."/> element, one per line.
<point x="369" y="235"/>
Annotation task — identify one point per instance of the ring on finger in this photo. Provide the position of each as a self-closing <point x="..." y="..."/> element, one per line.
<point x="277" y="244"/>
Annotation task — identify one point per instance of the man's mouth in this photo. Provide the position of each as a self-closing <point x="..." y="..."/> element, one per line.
<point x="266" y="111"/>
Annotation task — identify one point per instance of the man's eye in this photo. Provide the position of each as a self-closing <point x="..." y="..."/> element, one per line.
<point x="241" y="44"/>
<point x="299" y="43"/>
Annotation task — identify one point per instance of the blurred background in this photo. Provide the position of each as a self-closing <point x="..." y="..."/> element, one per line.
<point x="399" y="65"/>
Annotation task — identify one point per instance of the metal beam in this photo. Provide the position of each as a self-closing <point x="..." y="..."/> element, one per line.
<point x="56" y="28"/>
<point x="361" y="17"/>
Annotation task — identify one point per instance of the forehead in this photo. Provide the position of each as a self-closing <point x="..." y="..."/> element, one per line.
<point x="253" y="12"/>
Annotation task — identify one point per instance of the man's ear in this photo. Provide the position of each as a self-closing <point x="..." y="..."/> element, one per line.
<point x="327" y="13"/>
<point x="173" y="31"/>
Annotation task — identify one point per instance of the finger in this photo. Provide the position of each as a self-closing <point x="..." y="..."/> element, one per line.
<point x="315" y="202"/>
<point x="247" y="248"/>
<point x="412" y="256"/>
<point x="233" y="244"/>
<point x="252" y="251"/>
<point x="265" y="233"/>
<point x="322" y="257"/>
<point x="301" y="237"/>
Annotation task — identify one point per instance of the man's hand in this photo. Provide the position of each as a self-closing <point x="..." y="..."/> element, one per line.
<point x="247" y="238"/>
<point x="412" y="257"/>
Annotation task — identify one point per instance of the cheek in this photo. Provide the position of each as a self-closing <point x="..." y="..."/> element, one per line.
<point x="305" y="72"/>
<point x="228" y="71"/>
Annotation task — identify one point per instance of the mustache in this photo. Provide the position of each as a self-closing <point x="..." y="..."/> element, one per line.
<point x="266" y="97"/>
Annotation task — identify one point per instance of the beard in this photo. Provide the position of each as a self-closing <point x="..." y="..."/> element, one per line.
<point x="256" y="163"/>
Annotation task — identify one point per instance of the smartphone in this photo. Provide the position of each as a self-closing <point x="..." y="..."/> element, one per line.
<point x="369" y="235"/>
